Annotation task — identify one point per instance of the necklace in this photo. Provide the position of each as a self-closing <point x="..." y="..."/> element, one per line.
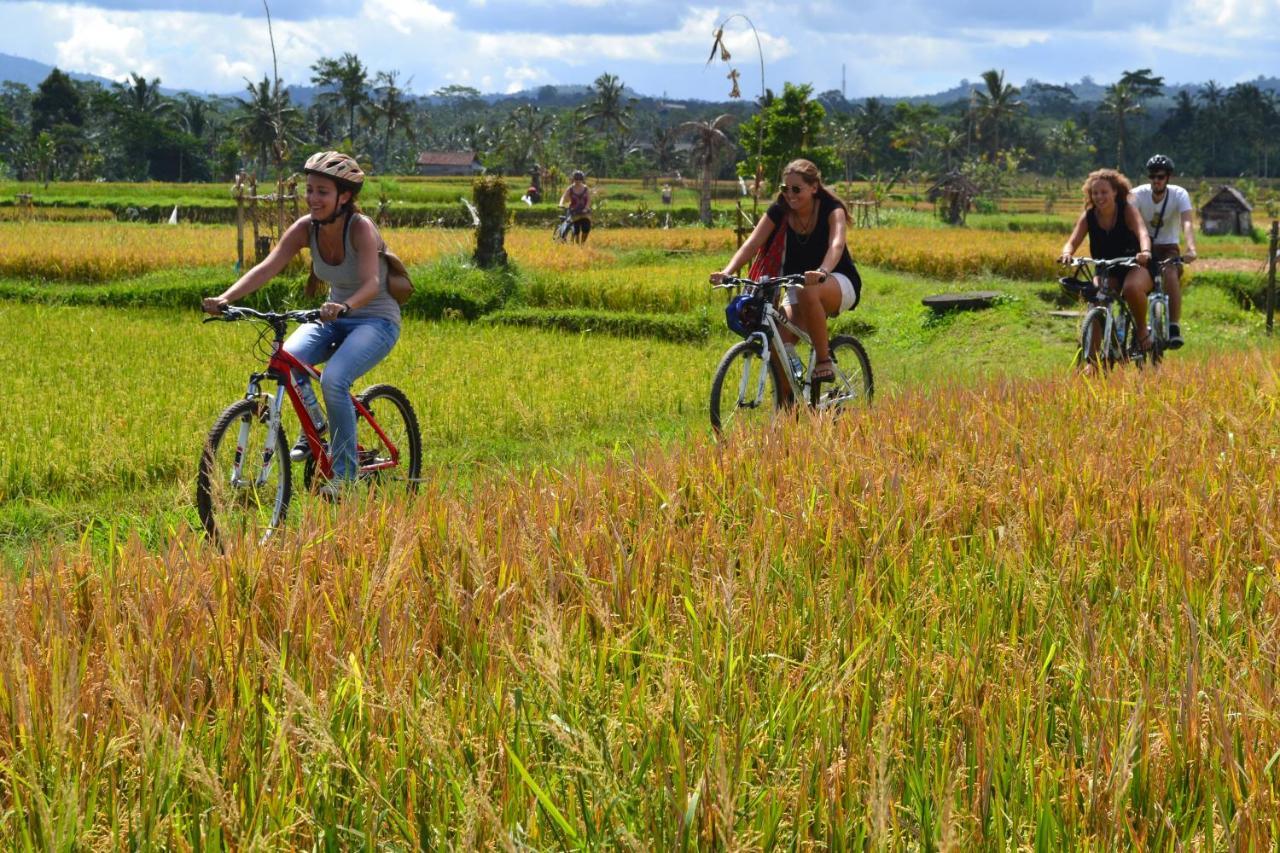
<point x="802" y="237"/>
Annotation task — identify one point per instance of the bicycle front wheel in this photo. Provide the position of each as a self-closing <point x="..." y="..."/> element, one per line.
<point x="746" y="390"/>
<point x="391" y="451"/>
<point x="1159" y="319"/>
<point x="1092" y="347"/>
<point x="853" y="384"/>
<point x="243" y="485"/>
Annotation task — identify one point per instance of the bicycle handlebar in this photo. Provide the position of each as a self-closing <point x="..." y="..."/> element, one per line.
<point x="233" y="313"/>
<point x="731" y="281"/>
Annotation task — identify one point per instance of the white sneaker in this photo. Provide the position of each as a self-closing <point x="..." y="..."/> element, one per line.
<point x="334" y="490"/>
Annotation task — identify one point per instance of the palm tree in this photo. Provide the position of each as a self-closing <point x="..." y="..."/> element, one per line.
<point x="608" y="111"/>
<point x="141" y="97"/>
<point x="266" y="123"/>
<point x="393" y="110"/>
<point x="351" y="79"/>
<point x="524" y="136"/>
<point x="709" y="139"/>
<point x="1121" y="103"/>
<point x="995" y="106"/>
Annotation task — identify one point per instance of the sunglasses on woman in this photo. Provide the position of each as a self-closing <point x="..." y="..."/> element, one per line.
<point x="794" y="190"/>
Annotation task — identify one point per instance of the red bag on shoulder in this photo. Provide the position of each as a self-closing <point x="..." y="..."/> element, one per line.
<point x="768" y="261"/>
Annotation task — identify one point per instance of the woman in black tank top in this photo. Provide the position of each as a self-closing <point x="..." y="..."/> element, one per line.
<point x="816" y="223"/>
<point x="1115" y="230"/>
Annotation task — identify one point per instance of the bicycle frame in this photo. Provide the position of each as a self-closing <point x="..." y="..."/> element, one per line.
<point x="774" y="321"/>
<point x="280" y="369"/>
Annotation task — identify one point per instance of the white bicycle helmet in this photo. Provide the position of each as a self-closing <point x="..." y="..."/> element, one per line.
<point x="336" y="165"/>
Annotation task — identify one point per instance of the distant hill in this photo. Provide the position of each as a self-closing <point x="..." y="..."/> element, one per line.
<point x="29" y="72"/>
<point x="16" y="69"/>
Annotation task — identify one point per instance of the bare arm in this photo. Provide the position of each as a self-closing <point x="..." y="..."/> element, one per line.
<point x="747" y="250"/>
<point x="1189" y="232"/>
<point x="1077" y="234"/>
<point x="295" y="239"/>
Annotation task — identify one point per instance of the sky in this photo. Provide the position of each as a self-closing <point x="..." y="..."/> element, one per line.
<point x="656" y="47"/>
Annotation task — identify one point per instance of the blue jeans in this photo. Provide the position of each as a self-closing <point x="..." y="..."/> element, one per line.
<point x="351" y="347"/>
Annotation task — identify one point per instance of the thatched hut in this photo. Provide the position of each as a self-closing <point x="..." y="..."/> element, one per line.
<point x="952" y="196"/>
<point x="1228" y="212"/>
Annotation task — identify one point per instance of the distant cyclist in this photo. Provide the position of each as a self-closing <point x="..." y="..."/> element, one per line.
<point x="1115" y="230"/>
<point x="577" y="198"/>
<point x="361" y="318"/>
<point x="1166" y="210"/>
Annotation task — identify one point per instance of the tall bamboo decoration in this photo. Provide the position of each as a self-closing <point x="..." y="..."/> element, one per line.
<point x="718" y="47"/>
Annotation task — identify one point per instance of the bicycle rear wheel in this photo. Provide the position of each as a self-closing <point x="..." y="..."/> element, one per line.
<point x="746" y="390"/>
<point x="853" y="384"/>
<point x="394" y="455"/>
<point x="243" y="485"/>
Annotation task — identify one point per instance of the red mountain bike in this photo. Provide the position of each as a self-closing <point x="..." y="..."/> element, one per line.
<point x="245" y="479"/>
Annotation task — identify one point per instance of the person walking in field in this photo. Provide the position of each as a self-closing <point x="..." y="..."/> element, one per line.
<point x="360" y="319"/>
<point x="577" y="198"/>
<point x="814" y="224"/>
<point x="1115" y="230"/>
<point x="1165" y="208"/>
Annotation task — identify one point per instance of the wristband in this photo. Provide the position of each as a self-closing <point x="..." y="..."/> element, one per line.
<point x="823" y="272"/>
<point x="346" y="309"/>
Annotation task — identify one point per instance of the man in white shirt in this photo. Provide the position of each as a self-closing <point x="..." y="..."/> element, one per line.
<point x="1166" y="209"/>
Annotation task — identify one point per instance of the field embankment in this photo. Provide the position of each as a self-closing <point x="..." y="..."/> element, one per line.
<point x="1028" y="613"/>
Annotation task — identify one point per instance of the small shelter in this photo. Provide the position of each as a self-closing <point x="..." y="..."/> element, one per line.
<point x="1228" y="212"/>
<point x="437" y="163"/>
<point x="953" y="195"/>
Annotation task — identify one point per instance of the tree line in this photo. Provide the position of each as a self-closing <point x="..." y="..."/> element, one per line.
<point x="65" y="129"/>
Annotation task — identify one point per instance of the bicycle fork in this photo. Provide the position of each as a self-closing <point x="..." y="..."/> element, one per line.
<point x="269" y="450"/>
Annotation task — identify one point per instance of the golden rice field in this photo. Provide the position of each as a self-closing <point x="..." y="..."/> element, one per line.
<point x="74" y="251"/>
<point x="101" y="251"/>
<point x="981" y="618"/>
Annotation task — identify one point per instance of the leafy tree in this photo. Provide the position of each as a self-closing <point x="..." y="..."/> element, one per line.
<point x="524" y="137"/>
<point x="792" y="126"/>
<point x="709" y="139"/>
<point x="56" y="101"/>
<point x="350" y="79"/>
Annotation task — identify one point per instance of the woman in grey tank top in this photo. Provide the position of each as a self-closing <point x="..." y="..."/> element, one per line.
<point x="361" y="320"/>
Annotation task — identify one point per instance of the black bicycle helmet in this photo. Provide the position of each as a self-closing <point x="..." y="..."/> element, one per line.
<point x="1160" y="163"/>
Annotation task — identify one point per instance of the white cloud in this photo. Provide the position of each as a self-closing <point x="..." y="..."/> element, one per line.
<point x="99" y="45"/>
<point x="407" y="17"/>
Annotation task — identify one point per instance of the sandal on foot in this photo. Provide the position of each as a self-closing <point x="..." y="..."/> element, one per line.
<point x="823" y="371"/>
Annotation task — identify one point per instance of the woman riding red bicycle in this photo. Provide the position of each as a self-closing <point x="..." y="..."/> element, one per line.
<point x="360" y="319"/>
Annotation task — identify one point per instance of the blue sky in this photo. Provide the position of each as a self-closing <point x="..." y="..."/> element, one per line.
<point x="887" y="47"/>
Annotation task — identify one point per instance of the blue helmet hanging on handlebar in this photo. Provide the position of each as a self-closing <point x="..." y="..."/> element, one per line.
<point x="742" y="314"/>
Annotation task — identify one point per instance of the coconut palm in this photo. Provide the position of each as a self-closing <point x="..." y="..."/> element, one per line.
<point x="1121" y="103"/>
<point x="392" y="110"/>
<point x="266" y="123"/>
<point x="608" y="111"/>
<point x="994" y="106"/>
<point x="709" y="139"/>
<point x="350" y="79"/>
